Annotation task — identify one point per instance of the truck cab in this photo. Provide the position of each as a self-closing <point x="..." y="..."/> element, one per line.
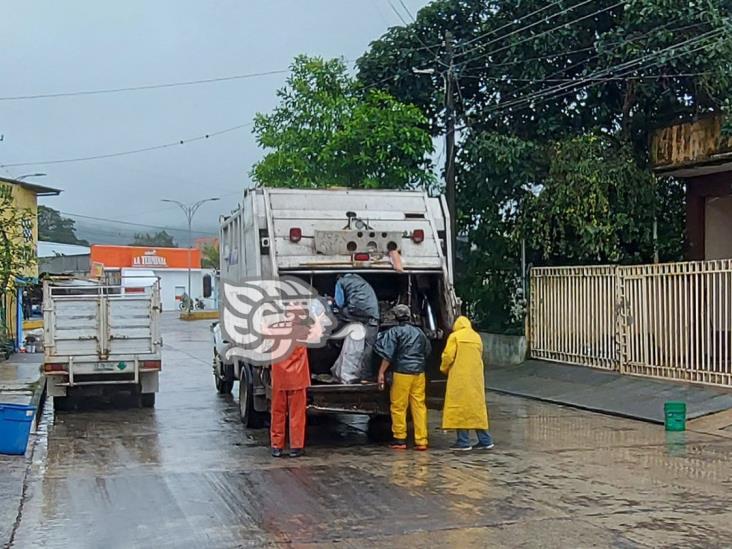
<point x="398" y="241"/>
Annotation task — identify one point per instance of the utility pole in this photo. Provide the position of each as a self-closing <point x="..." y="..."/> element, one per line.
<point x="448" y="78"/>
<point x="450" y="143"/>
<point x="189" y="210"/>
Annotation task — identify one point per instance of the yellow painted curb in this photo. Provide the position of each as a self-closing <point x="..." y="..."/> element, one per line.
<point x="32" y="324"/>
<point x="199" y="315"/>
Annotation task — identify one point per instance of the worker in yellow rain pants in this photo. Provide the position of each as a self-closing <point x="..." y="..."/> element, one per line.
<point x="405" y="349"/>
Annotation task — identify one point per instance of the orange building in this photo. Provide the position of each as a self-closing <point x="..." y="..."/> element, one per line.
<point x="170" y="265"/>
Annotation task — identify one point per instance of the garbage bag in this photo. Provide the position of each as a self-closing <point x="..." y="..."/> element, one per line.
<point x="347" y="367"/>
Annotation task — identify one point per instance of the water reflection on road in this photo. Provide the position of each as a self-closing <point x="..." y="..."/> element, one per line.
<point x="186" y="474"/>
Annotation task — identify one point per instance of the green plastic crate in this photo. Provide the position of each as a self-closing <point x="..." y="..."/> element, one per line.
<point x="675" y="415"/>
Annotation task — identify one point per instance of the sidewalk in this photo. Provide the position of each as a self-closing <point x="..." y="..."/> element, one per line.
<point x="605" y="391"/>
<point x="21" y="382"/>
<point x="20" y="377"/>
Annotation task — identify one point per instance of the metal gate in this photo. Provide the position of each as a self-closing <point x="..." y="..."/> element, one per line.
<point x="671" y="321"/>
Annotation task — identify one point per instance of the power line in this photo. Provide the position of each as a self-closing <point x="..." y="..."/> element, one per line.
<point x="592" y="79"/>
<point x="525" y="28"/>
<point x="399" y="15"/>
<point x="130" y="223"/>
<point x="606" y="79"/>
<point x="539" y="35"/>
<point x="614" y="47"/>
<point x="133" y="151"/>
<point x="491" y="32"/>
<point x="144" y="87"/>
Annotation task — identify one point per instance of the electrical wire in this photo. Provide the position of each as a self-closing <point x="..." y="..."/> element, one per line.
<point x="592" y="79"/>
<point x="527" y="27"/>
<point x="130" y="223"/>
<point x="539" y="35"/>
<point x="491" y="32"/>
<point x="129" y="152"/>
<point x="428" y="48"/>
<point x="144" y="87"/>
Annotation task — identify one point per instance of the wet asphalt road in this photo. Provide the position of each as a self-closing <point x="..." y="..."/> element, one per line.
<point x="186" y="474"/>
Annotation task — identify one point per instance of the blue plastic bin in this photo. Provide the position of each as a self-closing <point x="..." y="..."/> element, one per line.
<point x="15" y="425"/>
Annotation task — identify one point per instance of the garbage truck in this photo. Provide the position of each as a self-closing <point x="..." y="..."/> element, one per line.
<point x="398" y="241"/>
<point x="101" y="339"/>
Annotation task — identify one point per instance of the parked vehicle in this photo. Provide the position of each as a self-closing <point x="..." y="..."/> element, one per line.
<point x="100" y="339"/>
<point x="316" y="235"/>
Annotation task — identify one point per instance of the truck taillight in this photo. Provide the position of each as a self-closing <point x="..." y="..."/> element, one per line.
<point x="417" y="236"/>
<point x="151" y="365"/>
<point x="54" y="367"/>
<point x="361" y="257"/>
<point x="295" y="234"/>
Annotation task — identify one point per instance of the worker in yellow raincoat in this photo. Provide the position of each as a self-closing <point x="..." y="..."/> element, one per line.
<point x="465" y="407"/>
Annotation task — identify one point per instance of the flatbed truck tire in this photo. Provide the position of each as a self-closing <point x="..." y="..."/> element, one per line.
<point x="64" y="404"/>
<point x="147" y="400"/>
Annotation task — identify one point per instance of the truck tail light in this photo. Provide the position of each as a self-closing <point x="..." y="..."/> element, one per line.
<point x="417" y="236"/>
<point x="361" y="257"/>
<point x="295" y="234"/>
<point x="54" y="367"/>
<point x="151" y="365"/>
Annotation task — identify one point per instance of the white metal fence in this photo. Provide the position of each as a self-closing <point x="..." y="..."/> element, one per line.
<point x="573" y="315"/>
<point x="667" y="321"/>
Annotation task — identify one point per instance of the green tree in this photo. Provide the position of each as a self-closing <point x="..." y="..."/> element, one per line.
<point x="329" y="131"/>
<point x="17" y="247"/>
<point x="53" y="227"/>
<point x="159" y="239"/>
<point x="531" y="84"/>
<point x="210" y="253"/>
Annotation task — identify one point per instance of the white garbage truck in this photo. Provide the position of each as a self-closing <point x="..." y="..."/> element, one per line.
<point x="101" y="339"/>
<point x="398" y="241"/>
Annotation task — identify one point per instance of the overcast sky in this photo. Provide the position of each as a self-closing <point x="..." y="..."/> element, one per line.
<point x="52" y="46"/>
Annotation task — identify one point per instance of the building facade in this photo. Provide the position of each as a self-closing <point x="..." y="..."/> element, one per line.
<point x="700" y="153"/>
<point x="170" y="265"/>
<point x="24" y="196"/>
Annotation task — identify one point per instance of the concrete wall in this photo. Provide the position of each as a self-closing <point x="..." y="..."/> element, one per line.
<point x="503" y="350"/>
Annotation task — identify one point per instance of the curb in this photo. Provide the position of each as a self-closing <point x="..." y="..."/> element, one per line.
<point x="199" y="315"/>
<point x="39" y="399"/>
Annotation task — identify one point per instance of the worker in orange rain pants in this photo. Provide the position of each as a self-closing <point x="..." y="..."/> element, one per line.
<point x="290" y="381"/>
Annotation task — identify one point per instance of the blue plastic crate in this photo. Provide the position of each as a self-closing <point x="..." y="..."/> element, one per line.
<point x="15" y="425"/>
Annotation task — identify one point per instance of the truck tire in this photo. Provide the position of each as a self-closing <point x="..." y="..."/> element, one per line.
<point x="223" y="387"/>
<point x="147" y="400"/>
<point x="64" y="404"/>
<point x="248" y="415"/>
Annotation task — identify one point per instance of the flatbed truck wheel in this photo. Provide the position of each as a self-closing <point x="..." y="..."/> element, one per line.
<point x="147" y="400"/>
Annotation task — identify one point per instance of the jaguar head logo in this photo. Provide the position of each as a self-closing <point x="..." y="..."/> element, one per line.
<point x="264" y="320"/>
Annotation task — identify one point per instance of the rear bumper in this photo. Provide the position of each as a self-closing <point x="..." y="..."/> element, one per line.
<point x="349" y="399"/>
<point x="62" y="384"/>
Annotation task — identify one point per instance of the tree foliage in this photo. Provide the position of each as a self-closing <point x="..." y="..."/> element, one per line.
<point x="17" y="245"/>
<point x="159" y="239"/>
<point x="53" y="227"/>
<point x="328" y="131"/>
<point x="557" y="101"/>
<point x="211" y="258"/>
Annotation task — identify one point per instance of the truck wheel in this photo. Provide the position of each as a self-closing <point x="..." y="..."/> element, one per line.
<point x="249" y="416"/>
<point x="223" y="387"/>
<point x="147" y="400"/>
<point x="64" y="404"/>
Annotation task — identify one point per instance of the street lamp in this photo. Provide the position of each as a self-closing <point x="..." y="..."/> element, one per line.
<point x="21" y="177"/>
<point x="190" y="210"/>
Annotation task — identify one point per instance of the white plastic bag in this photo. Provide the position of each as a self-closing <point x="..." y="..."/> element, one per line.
<point x="347" y="366"/>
